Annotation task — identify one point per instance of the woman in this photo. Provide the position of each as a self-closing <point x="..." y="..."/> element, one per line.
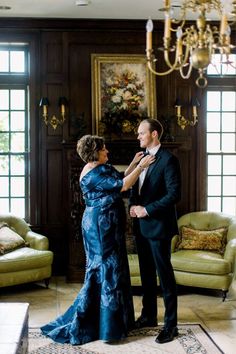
<point x="103" y="308"/>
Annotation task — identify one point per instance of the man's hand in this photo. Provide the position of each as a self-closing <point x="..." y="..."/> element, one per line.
<point x="140" y="211"/>
<point x="132" y="211"/>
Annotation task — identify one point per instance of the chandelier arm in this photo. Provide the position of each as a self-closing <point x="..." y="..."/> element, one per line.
<point x="159" y="73"/>
<point x="180" y="24"/>
<point x="167" y="60"/>
<point x="175" y="66"/>
<point x="186" y="56"/>
<point x="187" y="76"/>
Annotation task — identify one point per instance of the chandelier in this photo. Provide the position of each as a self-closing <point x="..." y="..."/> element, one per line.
<point x="194" y="46"/>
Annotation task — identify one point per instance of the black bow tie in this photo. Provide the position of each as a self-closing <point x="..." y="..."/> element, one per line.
<point x="146" y="153"/>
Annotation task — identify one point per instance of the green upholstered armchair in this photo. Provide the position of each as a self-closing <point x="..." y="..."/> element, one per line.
<point x="206" y="264"/>
<point x="204" y="268"/>
<point x="24" y="254"/>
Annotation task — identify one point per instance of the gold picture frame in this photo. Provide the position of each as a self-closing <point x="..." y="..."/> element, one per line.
<point x="123" y="93"/>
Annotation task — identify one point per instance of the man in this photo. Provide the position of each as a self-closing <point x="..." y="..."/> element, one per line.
<point x="152" y="205"/>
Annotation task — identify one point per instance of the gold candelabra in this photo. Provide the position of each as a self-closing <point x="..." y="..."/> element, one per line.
<point x="54" y="121"/>
<point x="181" y="120"/>
<point x="194" y="45"/>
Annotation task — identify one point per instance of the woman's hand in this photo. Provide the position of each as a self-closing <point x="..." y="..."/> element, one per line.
<point x="131" y="178"/>
<point x="137" y="157"/>
<point x="146" y="161"/>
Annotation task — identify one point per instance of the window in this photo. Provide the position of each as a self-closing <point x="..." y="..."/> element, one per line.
<point x="221" y="150"/>
<point x="222" y="65"/>
<point x="14" y="129"/>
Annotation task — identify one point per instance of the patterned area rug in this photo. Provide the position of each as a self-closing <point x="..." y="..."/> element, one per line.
<point x="192" y="339"/>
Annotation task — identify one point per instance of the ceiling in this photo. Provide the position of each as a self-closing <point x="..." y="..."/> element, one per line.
<point x="99" y="9"/>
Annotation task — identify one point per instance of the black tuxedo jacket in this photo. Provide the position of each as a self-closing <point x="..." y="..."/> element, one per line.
<point x="160" y="191"/>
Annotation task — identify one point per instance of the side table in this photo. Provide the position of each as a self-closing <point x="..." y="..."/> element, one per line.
<point x="14" y="328"/>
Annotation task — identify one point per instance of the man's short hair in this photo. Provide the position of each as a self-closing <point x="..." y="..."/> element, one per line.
<point x="154" y="124"/>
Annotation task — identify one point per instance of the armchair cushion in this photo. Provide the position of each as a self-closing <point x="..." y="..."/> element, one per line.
<point x="29" y="263"/>
<point x="9" y="239"/>
<point x="24" y="259"/>
<point x="201" y="262"/>
<point x="209" y="240"/>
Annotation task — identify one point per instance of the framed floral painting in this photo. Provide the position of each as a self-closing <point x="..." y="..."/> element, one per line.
<point x="123" y="93"/>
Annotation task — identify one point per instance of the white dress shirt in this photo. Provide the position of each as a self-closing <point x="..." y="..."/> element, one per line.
<point x="142" y="175"/>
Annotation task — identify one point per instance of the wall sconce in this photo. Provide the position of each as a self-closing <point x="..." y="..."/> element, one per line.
<point x="181" y="120"/>
<point x="54" y="121"/>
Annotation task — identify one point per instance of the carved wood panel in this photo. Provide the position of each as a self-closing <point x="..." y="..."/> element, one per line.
<point x="76" y="256"/>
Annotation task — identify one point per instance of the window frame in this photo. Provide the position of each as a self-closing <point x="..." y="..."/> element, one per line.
<point x="214" y="84"/>
<point x="13" y="81"/>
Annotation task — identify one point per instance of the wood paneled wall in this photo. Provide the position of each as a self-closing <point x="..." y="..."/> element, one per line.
<point x="60" y="60"/>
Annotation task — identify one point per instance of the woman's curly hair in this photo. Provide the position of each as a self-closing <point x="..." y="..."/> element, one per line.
<point x="89" y="146"/>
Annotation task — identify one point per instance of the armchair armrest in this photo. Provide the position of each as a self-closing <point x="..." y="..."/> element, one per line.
<point x="37" y="241"/>
<point x="173" y="243"/>
<point x="230" y="252"/>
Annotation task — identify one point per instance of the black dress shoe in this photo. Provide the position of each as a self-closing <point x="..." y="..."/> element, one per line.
<point x="144" y="321"/>
<point x="167" y="335"/>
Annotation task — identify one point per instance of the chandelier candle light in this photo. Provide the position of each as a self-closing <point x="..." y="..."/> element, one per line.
<point x="194" y="45"/>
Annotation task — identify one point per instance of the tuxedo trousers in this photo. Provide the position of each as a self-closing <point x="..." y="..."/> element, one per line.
<point x="154" y="258"/>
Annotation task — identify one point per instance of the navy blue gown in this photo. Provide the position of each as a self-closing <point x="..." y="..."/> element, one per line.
<point x="103" y="308"/>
